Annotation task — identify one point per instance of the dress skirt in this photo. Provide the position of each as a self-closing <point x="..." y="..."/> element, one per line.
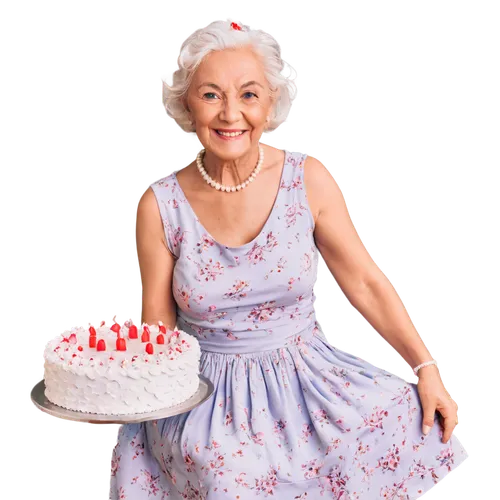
<point x="304" y="421"/>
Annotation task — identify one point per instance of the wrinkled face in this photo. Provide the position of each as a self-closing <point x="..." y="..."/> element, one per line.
<point x="229" y="91"/>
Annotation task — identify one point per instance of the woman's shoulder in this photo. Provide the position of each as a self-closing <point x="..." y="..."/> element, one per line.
<point x="317" y="183"/>
<point x="159" y="192"/>
<point x="167" y="187"/>
<point x="163" y="181"/>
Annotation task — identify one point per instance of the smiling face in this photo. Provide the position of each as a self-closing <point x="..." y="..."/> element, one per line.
<point x="220" y="97"/>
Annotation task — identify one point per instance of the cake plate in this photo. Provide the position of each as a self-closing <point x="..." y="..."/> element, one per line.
<point x="205" y="390"/>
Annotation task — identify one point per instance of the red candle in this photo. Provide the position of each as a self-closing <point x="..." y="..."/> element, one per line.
<point x="120" y="344"/>
<point x="149" y="348"/>
<point x="101" y="345"/>
<point x="92" y="341"/>
<point x="160" y="339"/>
<point x="132" y="332"/>
<point x="92" y="330"/>
<point x="162" y="327"/>
<point x="145" y="333"/>
<point x="115" y="327"/>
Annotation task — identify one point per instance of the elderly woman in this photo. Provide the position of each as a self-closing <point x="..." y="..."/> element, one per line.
<point x="228" y="251"/>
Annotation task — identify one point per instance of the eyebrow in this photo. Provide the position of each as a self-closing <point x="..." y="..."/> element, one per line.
<point x="247" y="84"/>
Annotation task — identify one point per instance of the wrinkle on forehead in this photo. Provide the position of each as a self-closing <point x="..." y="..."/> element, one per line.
<point x="230" y="68"/>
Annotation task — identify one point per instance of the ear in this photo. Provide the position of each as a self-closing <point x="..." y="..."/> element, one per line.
<point x="274" y="99"/>
<point x="185" y="103"/>
<point x="275" y="94"/>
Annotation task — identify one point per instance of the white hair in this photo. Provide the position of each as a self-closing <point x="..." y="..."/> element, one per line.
<point x="220" y="35"/>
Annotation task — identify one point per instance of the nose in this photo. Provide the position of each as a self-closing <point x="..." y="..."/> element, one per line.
<point x="230" y="111"/>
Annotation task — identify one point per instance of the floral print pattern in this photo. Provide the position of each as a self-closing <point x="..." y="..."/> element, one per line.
<point x="292" y="416"/>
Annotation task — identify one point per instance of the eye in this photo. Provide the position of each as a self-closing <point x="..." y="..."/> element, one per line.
<point x="209" y="93"/>
<point x="251" y="93"/>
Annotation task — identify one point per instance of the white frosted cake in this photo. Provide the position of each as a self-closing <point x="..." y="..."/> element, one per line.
<point x="121" y="370"/>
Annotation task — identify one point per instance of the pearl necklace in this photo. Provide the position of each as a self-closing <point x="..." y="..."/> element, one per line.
<point x="221" y="187"/>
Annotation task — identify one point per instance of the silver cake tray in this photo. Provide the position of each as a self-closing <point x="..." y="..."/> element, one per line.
<point x="205" y="390"/>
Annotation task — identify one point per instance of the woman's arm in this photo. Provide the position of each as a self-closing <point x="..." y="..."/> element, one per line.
<point x="156" y="264"/>
<point x="361" y="280"/>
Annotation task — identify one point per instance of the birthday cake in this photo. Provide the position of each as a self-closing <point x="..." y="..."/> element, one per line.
<point x="121" y="370"/>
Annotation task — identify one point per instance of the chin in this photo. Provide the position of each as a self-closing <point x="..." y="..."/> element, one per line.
<point x="230" y="153"/>
<point x="229" y="149"/>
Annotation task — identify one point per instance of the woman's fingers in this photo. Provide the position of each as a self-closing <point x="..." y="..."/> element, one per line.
<point x="429" y="408"/>
<point x="449" y="419"/>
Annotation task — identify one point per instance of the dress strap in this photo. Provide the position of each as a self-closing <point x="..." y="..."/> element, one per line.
<point x="167" y="197"/>
<point x="296" y="196"/>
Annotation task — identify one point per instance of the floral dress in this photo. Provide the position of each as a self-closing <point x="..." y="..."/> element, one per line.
<point x="292" y="416"/>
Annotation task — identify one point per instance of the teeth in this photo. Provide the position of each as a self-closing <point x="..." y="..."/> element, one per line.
<point x="230" y="134"/>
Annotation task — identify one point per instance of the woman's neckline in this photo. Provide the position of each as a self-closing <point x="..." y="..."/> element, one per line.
<point x="264" y="227"/>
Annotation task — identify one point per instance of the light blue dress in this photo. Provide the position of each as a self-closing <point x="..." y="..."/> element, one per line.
<point x="292" y="417"/>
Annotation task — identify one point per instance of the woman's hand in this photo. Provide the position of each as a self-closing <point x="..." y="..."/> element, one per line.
<point x="434" y="396"/>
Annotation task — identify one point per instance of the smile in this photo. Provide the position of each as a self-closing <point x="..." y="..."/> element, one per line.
<point x="229" y="135"/>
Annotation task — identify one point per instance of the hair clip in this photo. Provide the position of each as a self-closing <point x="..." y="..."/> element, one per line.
<point x="235" y="26"/>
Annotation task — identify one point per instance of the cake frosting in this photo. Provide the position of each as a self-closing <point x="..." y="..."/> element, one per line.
<point x="121" y="370"/>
